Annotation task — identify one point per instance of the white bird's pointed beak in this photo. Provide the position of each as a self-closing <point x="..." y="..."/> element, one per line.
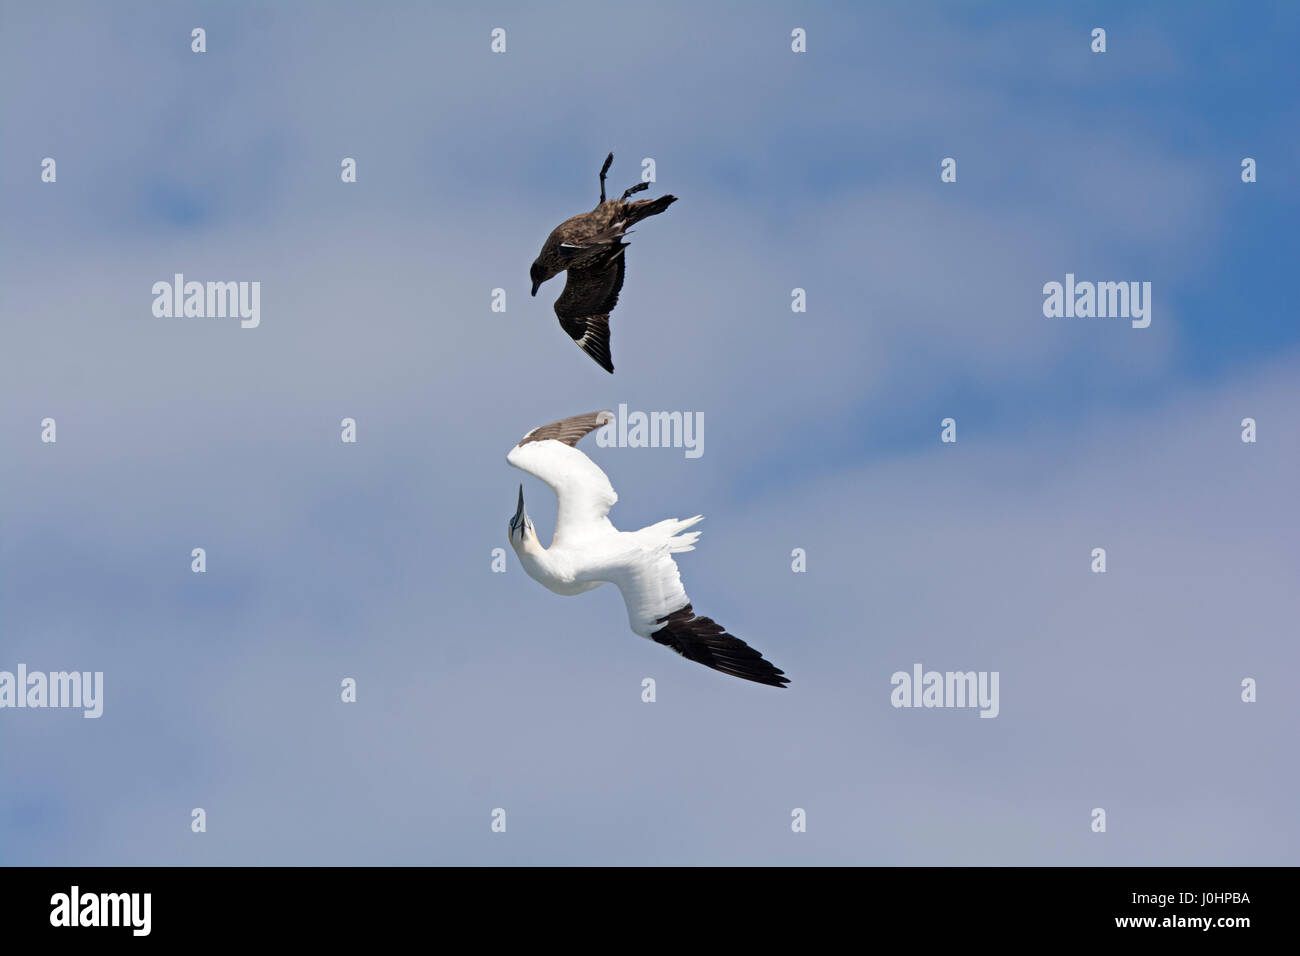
<point x="517" y="520"/>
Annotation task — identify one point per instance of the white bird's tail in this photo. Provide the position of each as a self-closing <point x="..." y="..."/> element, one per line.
<point x="668" y="534"/>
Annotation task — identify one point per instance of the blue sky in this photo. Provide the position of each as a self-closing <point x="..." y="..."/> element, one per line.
<point x="480" y="690"/>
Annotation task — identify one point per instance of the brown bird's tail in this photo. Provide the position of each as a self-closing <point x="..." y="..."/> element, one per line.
<point x="644" y="208"/>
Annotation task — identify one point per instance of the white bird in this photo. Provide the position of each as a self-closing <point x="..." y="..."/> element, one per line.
<point x="588" y="551"/>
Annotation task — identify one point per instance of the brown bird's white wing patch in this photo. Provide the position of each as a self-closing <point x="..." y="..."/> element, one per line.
<point x="581" y="244"/>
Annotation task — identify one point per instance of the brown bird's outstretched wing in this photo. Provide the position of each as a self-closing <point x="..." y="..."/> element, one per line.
<point x="590" y="294"/>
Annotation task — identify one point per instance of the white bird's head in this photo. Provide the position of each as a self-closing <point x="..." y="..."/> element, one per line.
<point x="522" y="533"/>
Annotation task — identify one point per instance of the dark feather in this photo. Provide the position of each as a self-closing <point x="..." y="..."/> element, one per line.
<point x="704" y="641"/>
<point x="589" y="295"/>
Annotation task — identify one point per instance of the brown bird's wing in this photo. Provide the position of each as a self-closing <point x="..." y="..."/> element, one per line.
<point x="590" y="294"/>
<point x="581" y="243"/>
<point x="584" y="239"/>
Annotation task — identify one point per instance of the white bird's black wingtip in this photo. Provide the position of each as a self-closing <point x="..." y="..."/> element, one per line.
<point x="703" y="640"/>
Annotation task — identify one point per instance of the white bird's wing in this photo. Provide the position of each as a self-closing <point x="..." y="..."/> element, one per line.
<point x="639" y="563"/>
<point x="648" y="579"/>
<point x="658" y="608"/>
<point x="582" y="491"/>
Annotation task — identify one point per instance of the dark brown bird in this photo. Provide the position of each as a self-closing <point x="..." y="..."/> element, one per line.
<point x="590" y="247"/>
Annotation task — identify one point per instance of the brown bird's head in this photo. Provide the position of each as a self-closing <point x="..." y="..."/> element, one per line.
<point x="538" y="274"/>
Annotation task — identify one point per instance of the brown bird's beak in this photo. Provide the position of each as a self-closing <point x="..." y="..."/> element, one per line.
<point x="536" y="286"/>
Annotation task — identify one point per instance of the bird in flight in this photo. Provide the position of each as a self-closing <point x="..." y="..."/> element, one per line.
<point x="590" y="247"/>
<point x="588" y="551"/>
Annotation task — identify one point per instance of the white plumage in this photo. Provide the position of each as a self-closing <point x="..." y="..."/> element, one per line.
<point x="588" y="551"/>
